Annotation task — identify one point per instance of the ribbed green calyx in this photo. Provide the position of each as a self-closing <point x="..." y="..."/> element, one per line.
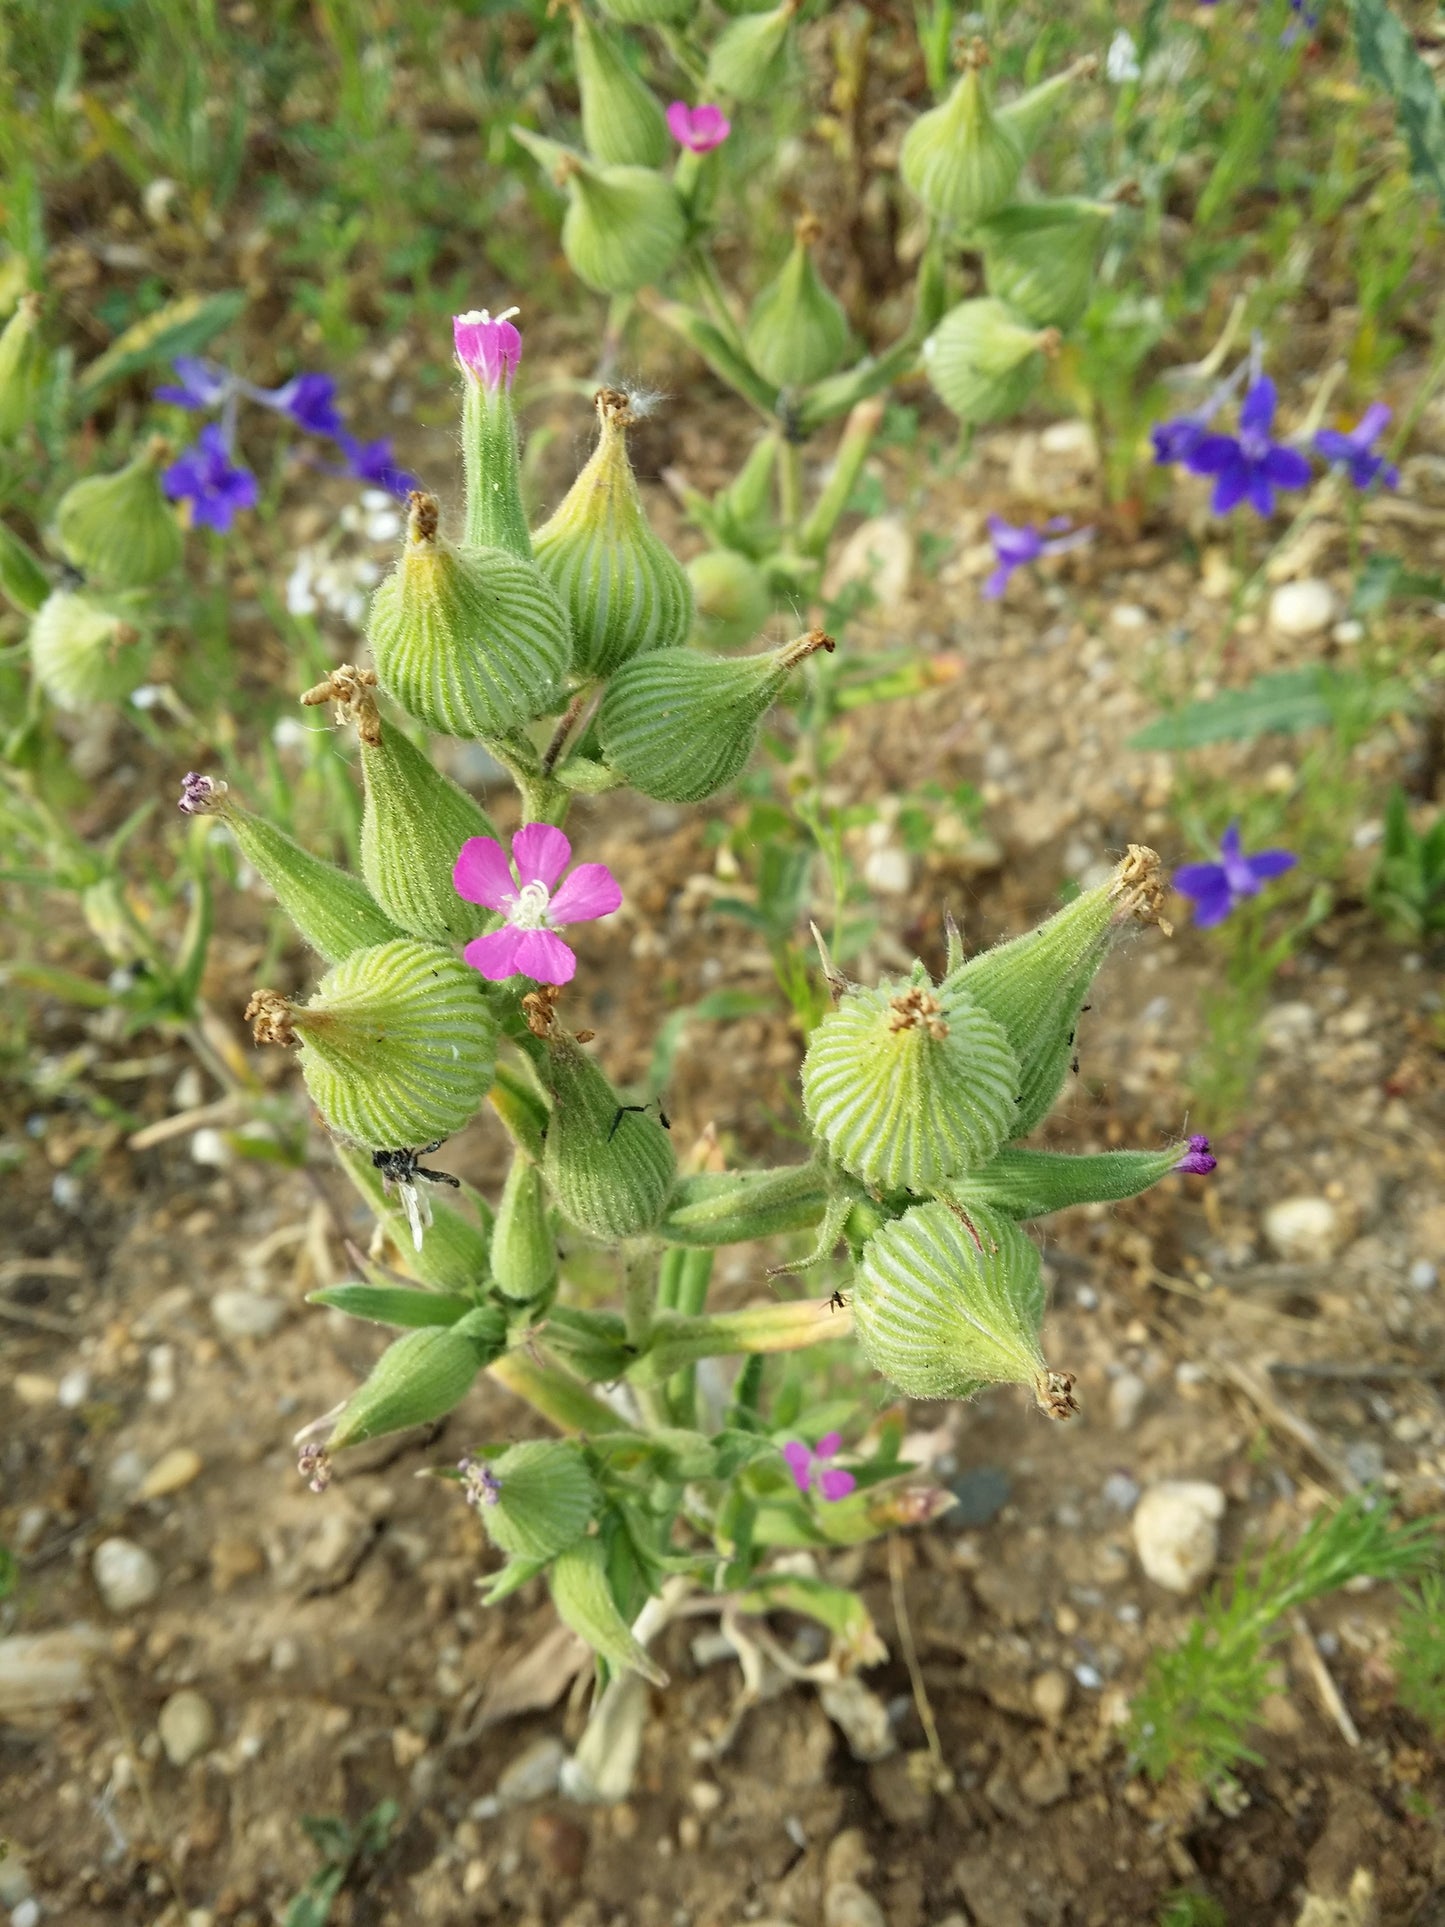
<point x="1030" y="1184"/>
<point x="1035" y="985"/>
<point x="1033" y="113"/>
<point x="622" y="123"/>
<point x="120" y="529"/>
<point x="609" y="1168"/>
<point x="797" y="331"/>
<point x="623" y="227"/>
<point x="454" y="1250"/>
<point x="397" y="1043"/>
<point x="907" y="1084"/>
<point x="471" y="642"/>
<point x="22" y="367"/>
<point x="84" y="651"/>
<point x="649" y="13"/>
<point x="947" y="1301"/>
<point x="983" y="360"/>
<point x="492" y="469"/>
<point x="961" y="159"/>
<point x="583" y="1598"/>
<point x="623" y="588"/>
<point x="746" y="58"/>
<point x="1041" y="256"/>
<point x="420" y="1377"/>
<point x="731" y="599"/>
<point x="678" y="724"/>
<point x="332" y="910"/>
<point x="546" y="1500"/>
<point x="524" y="1252"/>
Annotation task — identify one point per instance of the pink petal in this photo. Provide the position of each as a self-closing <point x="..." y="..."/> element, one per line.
<point x="496" y="954"/>
<point x="836" y="1484"/>
<point x="482" y="873"/>
<point x="543" y="955"/>
<point x="591" y="891"/>
<point x="540" y="854"/>
<point x="800" y="1461"/>
<point x="829" y="1444"/>
<point x="679" y="121"/>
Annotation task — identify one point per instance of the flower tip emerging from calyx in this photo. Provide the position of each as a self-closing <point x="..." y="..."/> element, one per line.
<point x="1198" y="1161"/>
<point x="488" y="346"/>
<point x="1139" y="887"/>
<point x="200" y="795"/>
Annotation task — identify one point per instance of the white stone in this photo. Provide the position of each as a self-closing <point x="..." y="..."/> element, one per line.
<point x="534" y="1774"/>
<point x="861" y="1715"/>
<point x="1128" y="618"/>
<point x="847" y="1905"/>
<point x="1176" y="1532"/>
<point x="889" y="870"/>
<point x="74" y="1389"/>
<point x="879" y="553"/>
<point x="40" y="1671"/>
<point x="187" y="1727"/>
<point x="246" y="1314"/>
<point x="1303" y="1230"/>
<point x="1424" y="1275"/>
<point x="1126" y="1395"/>
<point x="125" y="1573"/>
<point x="209" y="1147"/>
<point x="1073" y="438"/>
<point x="27" y="1914"/>
<point x="1285" y="1027"/>
<point x="1300" y="609"/>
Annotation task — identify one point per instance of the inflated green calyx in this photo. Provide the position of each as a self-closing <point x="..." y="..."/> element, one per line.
<point x="1041" y="256"/>
<point x="524" y="1251"/>
<point x="731" y="598"/>
<point x="583" y="1598"/>
<point x="623" y="227"/>
<point x="961" y="159"/>
<point x="546" y="1498"/>
<point x="797" y="331"/>
<point x="84" y="650"/>
<point x="983" y="360"/>
<point x="420" y="1377"/>
<point x="609" y="1165"/>
<point x="746" y="58"/>
<point x="622" y="123"/>
<point x="1030" y="1184"/>
<point x="120" y="529"/>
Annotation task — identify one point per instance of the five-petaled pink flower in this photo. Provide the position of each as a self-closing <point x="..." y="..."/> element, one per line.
<point x="487" y="345"/>
<point x="523" y="890"/>
<point x="810" y="1466"/>
<point x="698" y="129"/>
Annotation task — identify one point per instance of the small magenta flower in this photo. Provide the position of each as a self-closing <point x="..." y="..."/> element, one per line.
<point x="216" y="487"/>
<point x="812" y="1471"/>
<point x="1197" y="1161"/>
<point x="1218" y="888"/>
<point x="1014" y="548"/>
<point x="488" y="346"/>
<point x="201" y="384"/>
<point x="522" y="890"/>
<point x="1356" y="449"/>
<point x="699" y="129"/>
<point x="1250" y="465"/>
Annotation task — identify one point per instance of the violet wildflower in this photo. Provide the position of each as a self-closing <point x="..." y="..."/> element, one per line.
<point x="200" y="794"/>
<point x="1014" y="548"/>
<point x="699" y="129"/>
<point x="1355" y="449"/>
<point x="1250" y="465"/>
<point x="488" y="346"/>
<point x="310" y="401"/>
<point x="1177" y="439"/>
<point x="201" y="384"/>
<point x="525" y="891"/>
<point x="372" y="462"/>
<point x="480" y="1484"/>
<point x="216" y="487"/>
<point x="1197" y="1161"/>
<point x="1218" y="888"/>
<point x="812" y="1470"/>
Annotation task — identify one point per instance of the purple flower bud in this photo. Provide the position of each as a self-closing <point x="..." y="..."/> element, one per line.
<point x="699" y="129"/>
<point x="313" y="1462"/>
<point x="480" y="1484"/>
<point x="1197" y="1161"/>
<point x="487" y="346"/>
<point x="1355" y="449"/>
<point x="216" y="487"/>
<point x="202" y="384"/>
<point x="1016" y="547"/>
<point x="200" y="795"/>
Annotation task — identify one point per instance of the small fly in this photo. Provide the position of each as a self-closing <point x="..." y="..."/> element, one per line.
<point x="402" y="1169"/>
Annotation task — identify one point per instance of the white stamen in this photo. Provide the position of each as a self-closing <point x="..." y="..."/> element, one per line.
<point x="528" y="909"/>
<point x="478" y="317"/>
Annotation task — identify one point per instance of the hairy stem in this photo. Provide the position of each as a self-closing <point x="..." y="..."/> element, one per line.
<point x="564" y="1401"/>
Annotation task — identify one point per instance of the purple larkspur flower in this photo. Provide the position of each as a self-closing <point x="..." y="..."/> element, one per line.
<point x="525" y="890"/>
<point x="1217" y="888"/>
<point x="309" y="400"/>
<point x="373" y="462"/>
<point x="1014" y="548"/>
<point x="488" y="346"/>
<point x="1250" y="465"/>
<point x="1198" y="1161"/>
<point x="216" y="487"/>
<point x="1355" y="448"/>
<point x="813" y="1470"/>
<point x="1177" y="439"/>
<point x="699" y="129"/>
<point x="200" y="384"/>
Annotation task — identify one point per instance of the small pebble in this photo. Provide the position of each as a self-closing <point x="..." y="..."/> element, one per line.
<point x="187" y="1727"/>
<point x="1424" y="1275"/>
<point x="1050" y="1693"/>
<point x="246" y="1314"/>
<point x="27" y="1914"/>
<point x="1126" y="1395"/>
<point x="1304" y="1230"/>
<point x="1285" y="1027"/>
<point x="1301" y="609"/>
<point x="1121" y="1492"/>
<point x="533" y="1775"/>
<point x="1176" y="1532"/>
<point x="161" y="1374"/>
<point x="170" y="1473"/>
<point x="1046" y="1782"/>
<point x="1089" y="1677"/>
<point x="126" y="1574"/>
<point x="74" y="1389"/>
<point x="848" y="1905"/>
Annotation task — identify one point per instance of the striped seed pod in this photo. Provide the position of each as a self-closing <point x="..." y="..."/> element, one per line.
<point x="120" y="529"/>
<point x="962" y="159"/>
<point x="524" y="1251"/>
<point x="583" y="1598"/>
<point x="545" y="1501"/>
<point x="731" y="599"/>
<point x="983" y="360"/>
<point x="1041" y="257"/>
<point x="623" y="227"/>
<point x="420" y="1377"/>
<point x="797" y="331"/>
<point x="84" y="650"/>
<point x="747" y="56"/>
<point x="609" y="1167"/>
<point x="622" y="123"/>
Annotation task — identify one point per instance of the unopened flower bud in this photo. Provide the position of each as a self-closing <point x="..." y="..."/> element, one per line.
<point x="797" y="331"/>
<point x="624" y="589"/>
<point x="84" y="650"/>
<point x="583" y="1597"/>
<point x="1030" y="1184"/>
<point x="546" y="1498"/>
<point x="1041" y="256"/>
<point x="624" y="226"/>
<point x="609" y="1165"/>
<point x="961" y="159"/>
<point x="622" y="123"/>
<point x="488" y="350"/>
<point x="471" y="643"/>
<point x="420" y="1377"/>
<point x="984" y="361"/>
<point x="120" y="529"/>
<point x="679" y="724"/>
<point x="524" y="1250"/>
<point x="746" y="57"/>
<point x="731" y="599"/>
<point x="22" y="367"/>
<point x="947" y="1301"/>
<point x="23" y="581"/>
<point x="1033" y="113"/>
<point x="908" y="1084"/>
<point x="397" y="1044"/>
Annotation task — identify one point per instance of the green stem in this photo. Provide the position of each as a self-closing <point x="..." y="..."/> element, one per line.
<point x="714" y="297"/>
<point x="640" y="1258"/>
<point x="564" y="1401"/>
<point x="862" y="425"/>
<point x="790" y="488"/>
<point x="678" y="1341"/>
<point x="733" y="1207"/>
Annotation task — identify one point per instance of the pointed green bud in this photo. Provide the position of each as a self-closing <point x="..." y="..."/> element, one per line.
<point x="731" y="599"/>
<point x="746" y="58"/>
<point x="1030" y="1184"/>
<point x="741" y="515"/>
<point x="85" y="651"/>
<point x="1041" y="257"/>
<point x="120" y="529"/>
<point x="333" y="911"/>
<point x="907" y="1084"/>
<point x="524" y="1251"/>
<point x="797" y="331"/>
<point x="1032" y="114"/>
<point x="962" y="159"/>
<point x="420" y="1377"/>
<point x="1035" y="985"/>
<point x="397" y="1044"/>
<point x="624" y="589"/>
<point x="622" y="123"/>
<point x="593" y="1344"/>
<point x="22" y="367"/>
<point x="583" y="1598"/>
<point x="983" y="361"/>
<point x="609" y="1166"/>
<point x="649" y="13"/>
<point x="623" y="227"/>
<point x="452" y="1256"/>
<point x="470" y="642"/>
<point x="488" y="350"/>
<point x="545" y="1500"/>
<point x="947" y="1301"/>
<point x="679" y="725"/>
<point x="731" y="1207"/>
<point x="23" y="581"/>
<point x="403" y="1306"/>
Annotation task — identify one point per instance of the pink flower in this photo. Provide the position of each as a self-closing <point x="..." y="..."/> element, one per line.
<point x="488" y="347"/>
<point x="527" y="945"/>
<point x="698" y="129"/>
<point x="809" y="1467"/>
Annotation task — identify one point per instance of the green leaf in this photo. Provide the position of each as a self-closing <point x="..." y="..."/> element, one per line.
<point x="842" y="1612"/>
<point x="392" y="1304"/>
<point x="1286" y="699"/>
<point x="1388" y="55"/>
<point x="1384" y="577"/>
<point x="180" y="328"/>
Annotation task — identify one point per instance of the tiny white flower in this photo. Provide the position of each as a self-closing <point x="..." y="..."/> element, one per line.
<point x="1122" y="61"/>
